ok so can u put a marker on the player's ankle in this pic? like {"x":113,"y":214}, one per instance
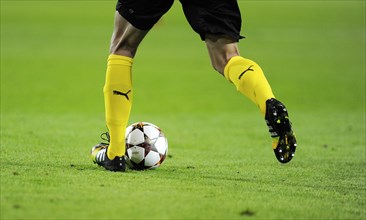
{"x":111,"y":155}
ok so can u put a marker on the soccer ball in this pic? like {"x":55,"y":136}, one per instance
{"x":146,"y":146}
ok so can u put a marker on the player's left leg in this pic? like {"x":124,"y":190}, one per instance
{"x":118,"y":93}
{"x":133,"y":20}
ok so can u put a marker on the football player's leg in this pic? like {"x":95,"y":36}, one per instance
{"x":249,"y":79}
{"x":245,"y":74}
{"x":133,"y":20}
{"x":118,"y":91}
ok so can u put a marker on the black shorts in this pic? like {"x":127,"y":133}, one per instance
{"x":219,"y":17}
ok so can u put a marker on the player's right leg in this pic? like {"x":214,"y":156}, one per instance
{"x":218,"y":23}
{"x":133,"y":20}
{"x":250,"y":80}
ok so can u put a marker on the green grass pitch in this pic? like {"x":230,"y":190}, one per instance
{"x":221,"y":165}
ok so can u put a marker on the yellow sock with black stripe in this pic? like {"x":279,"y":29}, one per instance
{"x":249,"y":79}
{"x":118,"y":96}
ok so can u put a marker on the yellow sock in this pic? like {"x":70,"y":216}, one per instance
{"x":249,"y":79}
{"x":118,"y":100}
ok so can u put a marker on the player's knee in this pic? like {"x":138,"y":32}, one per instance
{"x":123,"y":46}
{"x":123,"y":50}
{"x":126,"y":38}
{"x":218,"y":66}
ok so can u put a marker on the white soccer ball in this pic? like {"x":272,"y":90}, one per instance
{"x":146,"y":146}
